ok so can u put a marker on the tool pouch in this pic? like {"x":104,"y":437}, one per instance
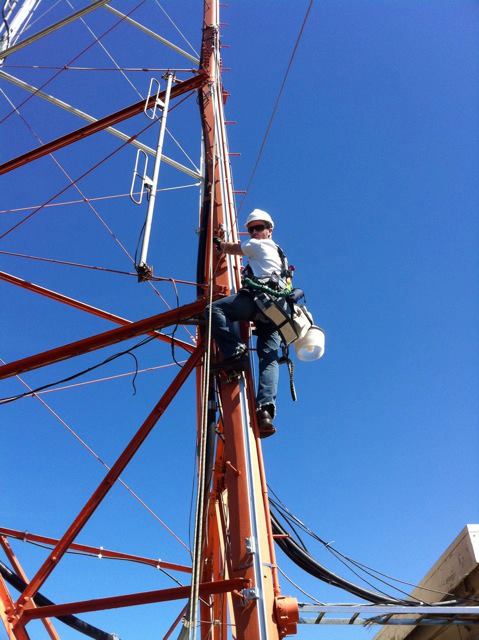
{"x":291,"y":320}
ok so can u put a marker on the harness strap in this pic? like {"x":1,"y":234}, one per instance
{"x":285,"y":359}
{"x":257,"y":286}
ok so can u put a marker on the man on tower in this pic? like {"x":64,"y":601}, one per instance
{"x":266,"y":266}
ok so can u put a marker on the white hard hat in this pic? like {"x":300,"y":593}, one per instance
{"x":259,"y":214}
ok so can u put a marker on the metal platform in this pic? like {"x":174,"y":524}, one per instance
{"x":369,"y":614}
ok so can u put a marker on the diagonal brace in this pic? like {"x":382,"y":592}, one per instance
{"x":72,"y":349}
{"x":26,"y":536}
{"x":132,"y":599}
{"x":77,"y":304}
{"x":109,"y":480}
{"x":191,"y":84}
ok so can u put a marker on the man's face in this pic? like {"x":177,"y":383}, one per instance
{"x":259,"y":230}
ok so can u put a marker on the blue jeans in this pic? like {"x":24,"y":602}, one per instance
{"x":240,"y":307}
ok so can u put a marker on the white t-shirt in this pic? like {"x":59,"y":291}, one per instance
{"x":263,"y":257}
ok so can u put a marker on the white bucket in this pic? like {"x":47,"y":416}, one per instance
{"x":311,"y":346}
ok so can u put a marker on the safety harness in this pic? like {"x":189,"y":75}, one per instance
{"x":278,"y":285}
{"x":276,"y":301}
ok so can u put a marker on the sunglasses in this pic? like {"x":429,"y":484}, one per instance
{"x":257,"y":227}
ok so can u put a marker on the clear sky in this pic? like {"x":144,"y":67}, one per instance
{"x":370,"y":172}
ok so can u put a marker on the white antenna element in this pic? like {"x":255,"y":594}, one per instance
{"x":16,"y":16}
{"x":150,"y":184}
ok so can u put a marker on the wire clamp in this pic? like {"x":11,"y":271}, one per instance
{"x":250,"y":594}
{"x":250,"y":544}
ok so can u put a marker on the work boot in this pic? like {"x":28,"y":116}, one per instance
{"x":265,"y":422}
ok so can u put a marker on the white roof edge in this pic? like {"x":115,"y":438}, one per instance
{"x":459,"y":559}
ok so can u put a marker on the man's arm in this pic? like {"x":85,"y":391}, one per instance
{"x":234,"y":248}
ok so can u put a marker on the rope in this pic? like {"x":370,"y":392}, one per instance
{"x":7,"y":26}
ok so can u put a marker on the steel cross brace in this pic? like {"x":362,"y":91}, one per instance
{"x":26,"y":536}
{"x":6,"y":609}
{"x":85,"y":116}
{"x":195,"y":82}
{"x":77,"y":304}
{"x":132,"y":599}
{"x":17,"y":567}
{"x":174,"y":316}
{"x":104,"y":487}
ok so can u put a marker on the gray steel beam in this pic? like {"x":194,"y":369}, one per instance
{"x":53,"y":27}
{"x":378,"y":609}
{"x":85,"y":116}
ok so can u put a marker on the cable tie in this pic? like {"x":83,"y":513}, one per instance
{"x":158,"y":565}
{"x":100,"y":555}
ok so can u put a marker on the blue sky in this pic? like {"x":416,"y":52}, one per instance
{"x":370,"y":172}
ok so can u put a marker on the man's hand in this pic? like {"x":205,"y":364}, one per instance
{"x":233,"y":248}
